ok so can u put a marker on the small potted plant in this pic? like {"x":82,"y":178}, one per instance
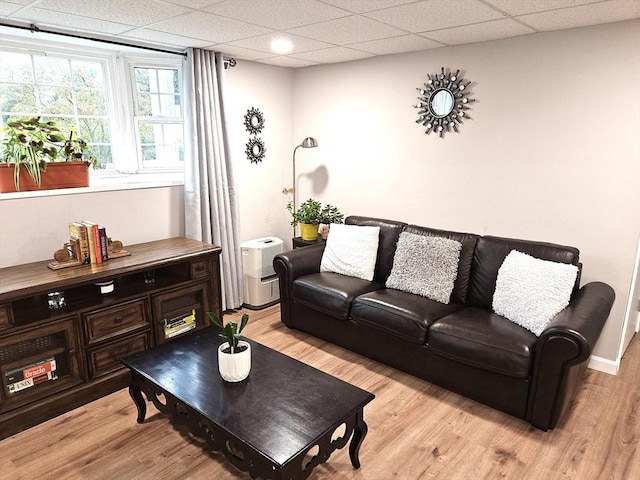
{"x":234,"y":355}
{"x":329,"y":215}
{"x":308,"y":216}
{"x":32,"y":145}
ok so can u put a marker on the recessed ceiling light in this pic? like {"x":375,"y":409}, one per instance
{"x":281,"y":45}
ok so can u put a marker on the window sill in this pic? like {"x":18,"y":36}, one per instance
{"x":97,"y":185}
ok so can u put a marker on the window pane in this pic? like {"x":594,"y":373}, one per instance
{"x":15,"y":67}
{"x":162,"y":144}
{"x":18,"y":98}
{"x":104,"y":156}
{"x":168,"y":81}
{"x":56,"y":100}
{"x":87,"y":74}
{"x":144,"y":105}
{"x":52,"y":70}
{"x":142,"y":79}
{"x":94,"y":130}
{"x":170,"y":105}
{"x":91,"y":102}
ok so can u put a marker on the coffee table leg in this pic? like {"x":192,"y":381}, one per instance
{"x":138,"y":399}
{"x":359,"y":432}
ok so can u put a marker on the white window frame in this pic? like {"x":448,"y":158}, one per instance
{"x":119,"y":84}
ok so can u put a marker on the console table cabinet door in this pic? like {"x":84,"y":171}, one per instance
{"x":39,"y":363}
{"x":172,"y":311}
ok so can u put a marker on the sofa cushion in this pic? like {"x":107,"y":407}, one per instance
{"x":389,"y":233}
{"x":530,"y":291}
{"x":400,"y":314}
{"x":330,"y":293}
{"x":489,"y":254}
{"x":484,"y":339}
{"x":425,"y":265}
{"x":351,"y":250}
{"x":468,"y":241}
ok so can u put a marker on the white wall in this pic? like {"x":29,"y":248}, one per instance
{"x":552,"y":152}
{"x":32,"y":228}
{"x":262,"y":203}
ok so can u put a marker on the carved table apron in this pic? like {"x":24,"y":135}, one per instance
{"x":264,"y":425}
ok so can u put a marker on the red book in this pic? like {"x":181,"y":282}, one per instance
{"x":94,"y":241}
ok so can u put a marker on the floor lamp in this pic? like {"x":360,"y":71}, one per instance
{"x":308,"y":142}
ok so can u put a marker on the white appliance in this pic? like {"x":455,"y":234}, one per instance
{"x":259,"y":278}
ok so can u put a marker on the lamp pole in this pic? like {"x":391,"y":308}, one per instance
{"x":308,"y":142}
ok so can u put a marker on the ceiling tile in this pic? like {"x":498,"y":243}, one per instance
{"x":348,"y":30}
{"x":210,"y":27}
{"x":480,"y":32}
{"x":277,"y":14}
{"x":405,"y":43}
{"x":195,"y":3}
{"x":288,"y":62}
{"x":7,"y":9}
{"x":336,"y":54}
{"x":611,"y":11}
{"x":521,"y":7}
{"x":140,"y":12}
{"x":239,"y":52}
{"x":263,"y":43}
{"x":48,"y":18}
{"x":165,"y":38}
{"x":435,"y":14}
{"x":361,"y":6}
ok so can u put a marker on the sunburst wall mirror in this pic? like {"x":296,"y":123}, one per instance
{"x":443,"y":102}
{"x":254,"y":121}
{"x":255,"y":150}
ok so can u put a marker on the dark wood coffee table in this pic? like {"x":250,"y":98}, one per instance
{"x":264,"y":425}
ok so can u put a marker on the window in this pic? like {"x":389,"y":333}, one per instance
{"x":158,"y":117}
{"x":127,"y":108}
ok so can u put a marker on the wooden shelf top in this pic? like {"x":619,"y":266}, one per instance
{"x":31,"y":278}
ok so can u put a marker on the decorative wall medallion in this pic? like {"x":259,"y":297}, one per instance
{"x":255,"y":150}
{"x":254,"y":121}
{"x":443,"y":102}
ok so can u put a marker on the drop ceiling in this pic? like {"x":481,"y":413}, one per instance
{"x":321,"y":31}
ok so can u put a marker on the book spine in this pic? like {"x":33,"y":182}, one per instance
{"x":104,"y":251}
{"x":92,"y":244}
{"x":78,"y":231}
{"x":96,"y":239}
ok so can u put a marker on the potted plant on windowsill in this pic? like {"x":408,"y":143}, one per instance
{"x":37,"y":155}
{"x":234,"y":356}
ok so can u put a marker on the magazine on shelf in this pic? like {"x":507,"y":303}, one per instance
{"x":180,"y":324}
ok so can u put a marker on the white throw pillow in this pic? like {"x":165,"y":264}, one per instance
{"x":351,"y":250}
{"x":425,"y":265}
{"x":530,"y":291}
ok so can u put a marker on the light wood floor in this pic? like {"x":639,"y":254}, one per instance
{"x":416,"y":430}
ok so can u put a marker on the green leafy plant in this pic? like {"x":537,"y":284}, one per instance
{"x":330,"y":214}
{"x":33,"y":143}
{"x":313,"y":213}
{"x":230,"y":331}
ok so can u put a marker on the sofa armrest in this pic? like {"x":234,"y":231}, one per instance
{"x":563,"y":351}
{"x":291,"y":265}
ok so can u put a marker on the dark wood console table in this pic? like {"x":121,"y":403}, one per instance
{"x":54,"y":360}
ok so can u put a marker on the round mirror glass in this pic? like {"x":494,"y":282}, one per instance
{"x":255,"y":121}
{"x":442,"y":103}
{"x":257,"y":150}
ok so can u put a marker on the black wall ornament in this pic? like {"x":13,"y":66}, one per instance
{"x":443,"y":102}
{"x":255,"y":150}
{"x":254,"y":121}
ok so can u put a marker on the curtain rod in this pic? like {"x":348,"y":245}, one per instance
{"x":33,"y":28}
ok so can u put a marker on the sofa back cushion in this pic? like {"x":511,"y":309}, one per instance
{"x":468,"y":241}
{"x":389,"y":233}
{"x":489,"y":255}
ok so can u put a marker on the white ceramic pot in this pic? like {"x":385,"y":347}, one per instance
{"x":234,"y":367}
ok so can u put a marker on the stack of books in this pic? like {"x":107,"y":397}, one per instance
{"x":88,"y":242}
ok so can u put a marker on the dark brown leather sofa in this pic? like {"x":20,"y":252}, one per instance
{"x":462,"y":346}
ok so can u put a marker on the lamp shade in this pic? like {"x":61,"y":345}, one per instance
{"x":309,"y":142}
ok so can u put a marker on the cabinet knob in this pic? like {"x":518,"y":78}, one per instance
{"x":119,"y":319}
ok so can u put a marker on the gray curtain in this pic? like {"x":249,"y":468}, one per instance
{"x":210,"y":195}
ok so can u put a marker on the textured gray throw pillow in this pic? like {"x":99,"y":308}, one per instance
{"x":426,"y":266}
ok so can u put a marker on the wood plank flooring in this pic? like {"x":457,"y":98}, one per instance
{"x":416,"y":430}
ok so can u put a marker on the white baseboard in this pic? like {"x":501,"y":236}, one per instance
{"x":604,"y":365}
